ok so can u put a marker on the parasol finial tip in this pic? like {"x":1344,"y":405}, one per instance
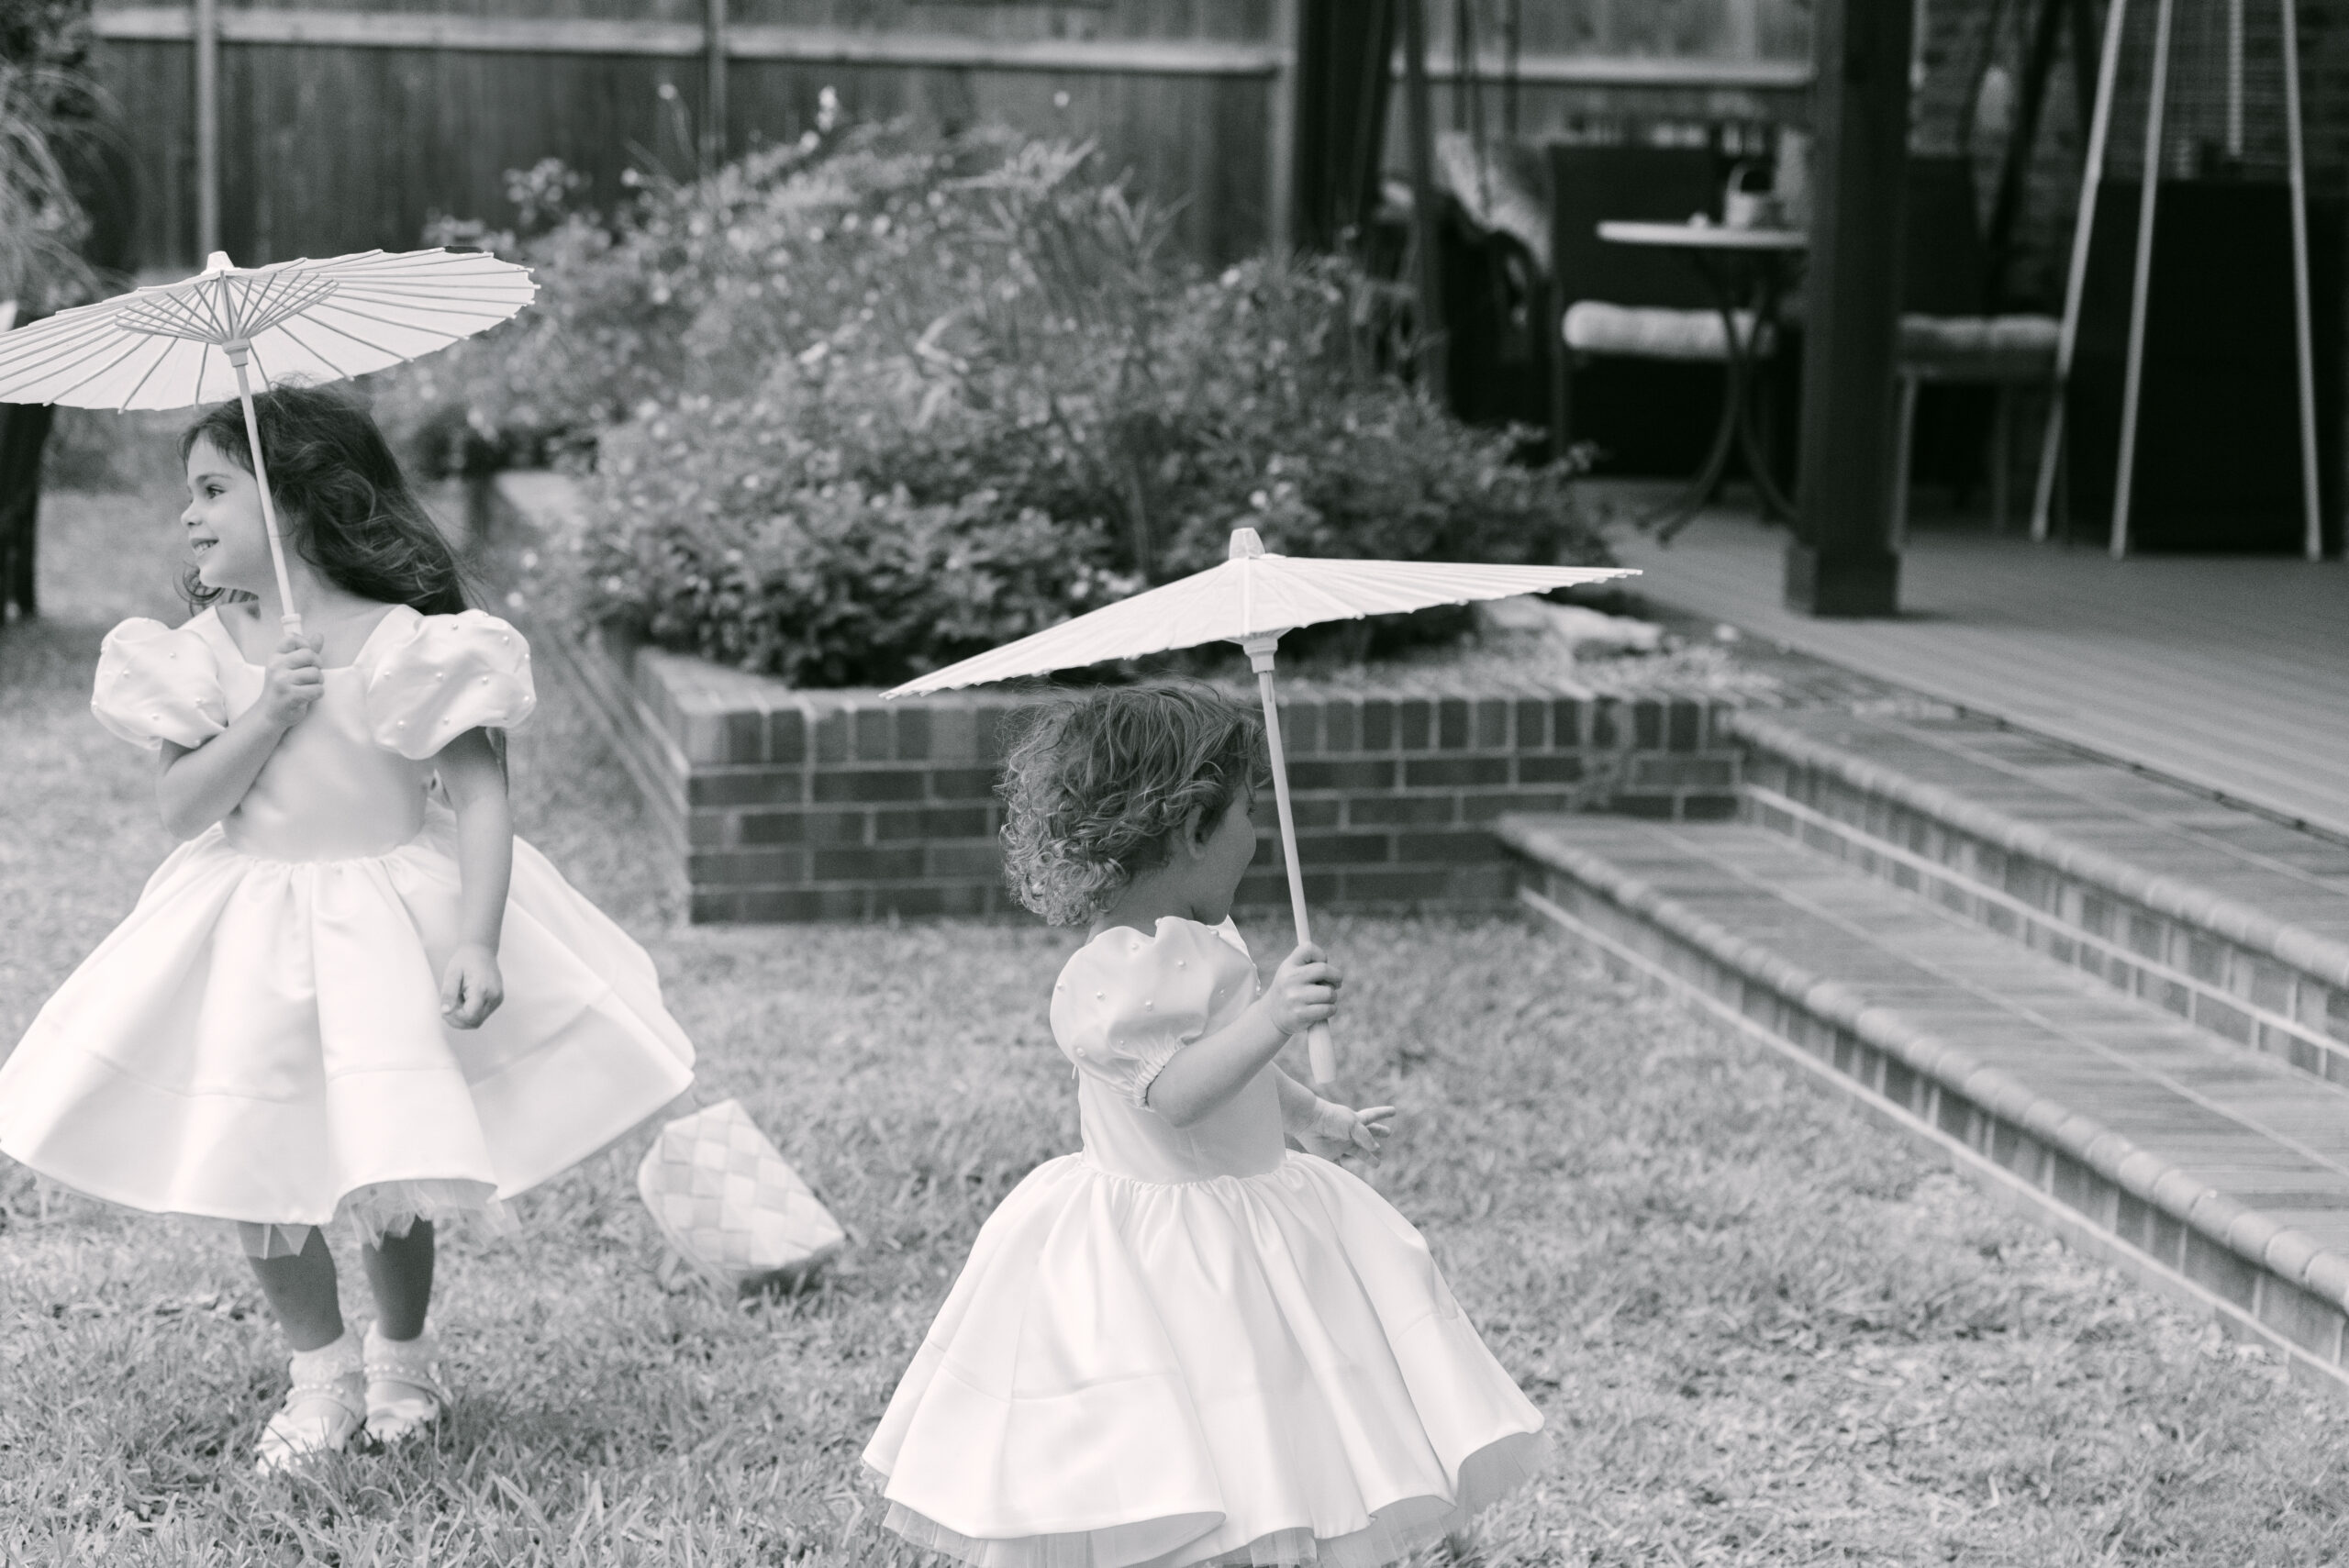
{"x":1244,"y":543}
{"x":218,"y":262}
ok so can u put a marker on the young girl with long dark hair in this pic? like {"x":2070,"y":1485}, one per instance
{"x":351,"y":995}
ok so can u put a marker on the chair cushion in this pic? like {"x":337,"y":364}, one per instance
{"x":1650,"y":332}
{"x":1980,"y":348}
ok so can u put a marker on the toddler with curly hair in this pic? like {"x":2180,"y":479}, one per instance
{"x":1187,"y":1343}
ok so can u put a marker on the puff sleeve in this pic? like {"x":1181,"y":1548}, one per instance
{"x":156,"y":684}
{"x":1127,"y":1004}
{"x":430,"y":678}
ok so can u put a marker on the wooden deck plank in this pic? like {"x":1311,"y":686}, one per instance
{"x":2110,"y":640}
{"x":1973,"y":582}
{"x":2266,"y":738}
{"x":2230,"y":674}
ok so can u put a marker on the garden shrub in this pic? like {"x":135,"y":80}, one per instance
{"x":721,"y":527}
{"x":856,"y":408}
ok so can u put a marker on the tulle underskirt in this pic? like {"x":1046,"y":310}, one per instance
{"x":388,"y":1209}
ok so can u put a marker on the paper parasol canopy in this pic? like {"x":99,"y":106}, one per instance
{"x":207,"y":339}
{"x":1252,"y":599}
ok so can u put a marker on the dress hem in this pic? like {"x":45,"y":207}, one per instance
{"x":1394,"y":1531}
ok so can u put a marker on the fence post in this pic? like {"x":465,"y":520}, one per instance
{"x":207,"y":126}
{"x":1280,"y":184}
{"x":713,"y":113}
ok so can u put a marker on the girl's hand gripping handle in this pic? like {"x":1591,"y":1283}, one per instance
{"x":1316,"y":998}
{"x":293,"y":679}
{"x":1304,"y":991}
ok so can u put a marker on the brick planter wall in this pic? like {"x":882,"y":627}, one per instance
{"x":776,"y":804}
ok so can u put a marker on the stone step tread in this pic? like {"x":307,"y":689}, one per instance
{"x":1973,"y":753}
{"x":2205,"y":861}
{"x":1957,"y":1001}
{"x":1978,"y":760}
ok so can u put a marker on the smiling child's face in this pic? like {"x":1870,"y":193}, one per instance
{"x":225,"y":536}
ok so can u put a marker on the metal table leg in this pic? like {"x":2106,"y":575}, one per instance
{"x":1738,"y":425}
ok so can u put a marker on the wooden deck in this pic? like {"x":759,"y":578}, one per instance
{"x":2230,"y":674}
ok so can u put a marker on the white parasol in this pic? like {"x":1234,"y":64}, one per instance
{"x":1252,"y":599}
{"x":296,"y":323}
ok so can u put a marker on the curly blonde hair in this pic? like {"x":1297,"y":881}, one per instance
{"x":1098,"y":788}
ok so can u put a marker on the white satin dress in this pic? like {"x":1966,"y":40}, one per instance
{"x":260,"y":1041}
{"x":1191,"y":1345}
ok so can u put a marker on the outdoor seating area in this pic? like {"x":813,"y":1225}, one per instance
{"x":2041,"y":332}
{"x":1410,"y":783}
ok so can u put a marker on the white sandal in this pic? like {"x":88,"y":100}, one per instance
{"x":323,"y":1411}
{"x":406,"y":1389}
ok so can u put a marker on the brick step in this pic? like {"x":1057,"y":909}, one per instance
{"x":2217,"y":913}
{"x":2213,"y":1172}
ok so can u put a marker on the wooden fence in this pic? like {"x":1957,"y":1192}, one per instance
{"x":274,"y":132}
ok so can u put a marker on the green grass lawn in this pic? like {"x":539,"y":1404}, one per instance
{"x":1764,"y":1330}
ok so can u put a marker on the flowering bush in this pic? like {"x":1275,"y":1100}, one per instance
{"x":864,"y":404}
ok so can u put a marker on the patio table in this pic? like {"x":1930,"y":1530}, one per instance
{"x":1728,"y":257}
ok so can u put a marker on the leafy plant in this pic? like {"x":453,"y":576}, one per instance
{"x":979,"y":348}
{"x":722,"y":528}
{"x":51,"y":123}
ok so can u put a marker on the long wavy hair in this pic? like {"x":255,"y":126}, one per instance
{"x":1098,"y":788}
{"x":343,"y":503}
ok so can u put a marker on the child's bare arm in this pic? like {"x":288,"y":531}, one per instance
{"x":1324,"y":1126}
{"x":197,"y":785}
{"x":1211,"y":1068}
{"x":475,"y":781}
{"x":1297,"y":1101}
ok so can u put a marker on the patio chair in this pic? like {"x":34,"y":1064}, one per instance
{"x":1946,"y":335}
{"x":1640,"y":319}
{"x":1498,"y":284}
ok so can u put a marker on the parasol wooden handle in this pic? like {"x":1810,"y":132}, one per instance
{"x":1322,"y":1052}
{"x":1320,"y":1046}
{"x":239,"y":352}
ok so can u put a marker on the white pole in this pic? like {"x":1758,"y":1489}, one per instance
{"x":2312,"y":543}
{"x":2083,"y":226}
{"x":2133,"y":377}
{"x":238,"y":353}
{"x":1321,"y":1051}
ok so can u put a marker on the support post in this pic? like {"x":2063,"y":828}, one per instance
{"x":207,"y":126}
{"x":1425,"y":263}
{"x":1840,"y":564}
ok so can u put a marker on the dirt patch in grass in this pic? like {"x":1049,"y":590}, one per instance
{"x":1764,"y":1330}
